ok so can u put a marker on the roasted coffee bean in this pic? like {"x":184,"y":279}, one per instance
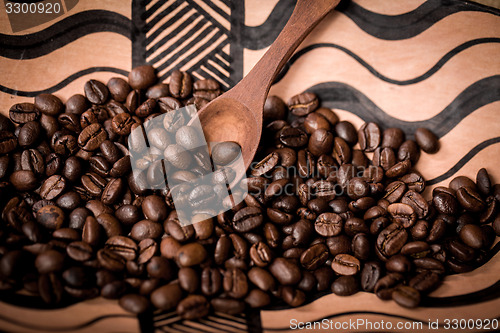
{"x":142,"y":77}
{"x":118,"y":88}
{"x":409,"y":151}
{"x":445,"y":203}
{"x":31,"y":160}
{"x":391,"y":240}
{"x":181,"y":84}
{"x":79,"y":251}
{"x":23,"y":113}
{"x":48,"y":104}
{"x":92,"y":137}
{"x":472,"y":235}
{"x":341,"y":151}
{"x":50,"y":288}
{"x":8,"y":142}
{"x":110,"y":260}
{"x":146,"y":229}
{"x":392,"y":138}
{"x":470,"y":199}
{"x":293,"y":137}
{"x":261,"y":254}
{"x":193,"y":307}
{"x":134,"y":303}
{"x":303,"y":104}
{"x":345,"y":285}
{"x":405,"y":296}
{"x":191,"y":254}
{"x":154,"y":208}
{"x":123,"y":246}
{"x":402,"y":214}
{"x":399,"y":169}
{"x":345,"y":264}
{"x":384,"y":157}
{"x":361,"y":246}
{"x":29,"y":134}
{"x":52,"y":187}
{"x":285,"y":271}
{"x":371,"y":273}
{"x":314,"y":257}
{"x":167,"y":297}
{"x":51,"y":217}
{"x":235,"y":283}
{"x":96,"y":92}
{"x":369,"y":137}
{"x":320,"y":142}
{"x":328,"y":224}
{"x":425,"y":281}
{"x":49,"y":261}
{"x":427,"y":140}
{"x":122,"y":123}
{"x":160,"y":268}
{"x":247,"y":219}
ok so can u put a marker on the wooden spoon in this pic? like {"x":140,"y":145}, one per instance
{"x":237,"y":114}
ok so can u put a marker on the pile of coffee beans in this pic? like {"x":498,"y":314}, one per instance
{"x":330,"y":208}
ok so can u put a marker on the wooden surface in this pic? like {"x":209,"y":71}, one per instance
{"x":407,"y":63}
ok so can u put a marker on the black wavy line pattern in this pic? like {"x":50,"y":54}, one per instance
{"x":30,"y":326}
{"x":343,"y":96}
{"x":64,"y":82}
{"x":474,"y":151}
{"x":388,"y":27}
{"x":377,"y":74}
{"x":259,"y":37}
{"x":404,"y":26}
{"x":62,"y":33}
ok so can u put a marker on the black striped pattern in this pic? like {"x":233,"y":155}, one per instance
{"x":188,"y":35}
{"x":219,"y":322}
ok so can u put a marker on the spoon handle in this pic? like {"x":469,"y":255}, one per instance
{"x":252,"y":90}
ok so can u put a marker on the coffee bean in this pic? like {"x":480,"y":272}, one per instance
{"x":29,"y":134}
{"x":303,"y":104}
{"x":472,"y":235}
{"x":8,"y":142}
{"x":402,"y":214}
{"x":345,"y":264}
{"x":23,"y":113}
{"x":96,"y":92}
{"x":52,"y":187}
{"x":470,"y":199}
{"x":405,"y":296}
{"x":369,"y":137}
{"x":111,"y":260}
{"x":285,"y":271}
{"x":391,"y":240}
{"x":91,"y":137}
{"x":314,"y":257}
{"x":425,"y":281}
{"x":445,"y":203}
{"x":166,"y":297}
{"x":371,"y":273}
{"x":193,"y":307}
{"x":142,"y":77}
{"x":50,"y":288}
{"x":345,"y":286}
{"x":79,"y":251}
{"x":191,"y":254}
{"x":181,"y":84}
{"x":427,"y":140}
{"x":293,"y":137}
{"x":328,"y":224}
{"x":134,"y":303}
